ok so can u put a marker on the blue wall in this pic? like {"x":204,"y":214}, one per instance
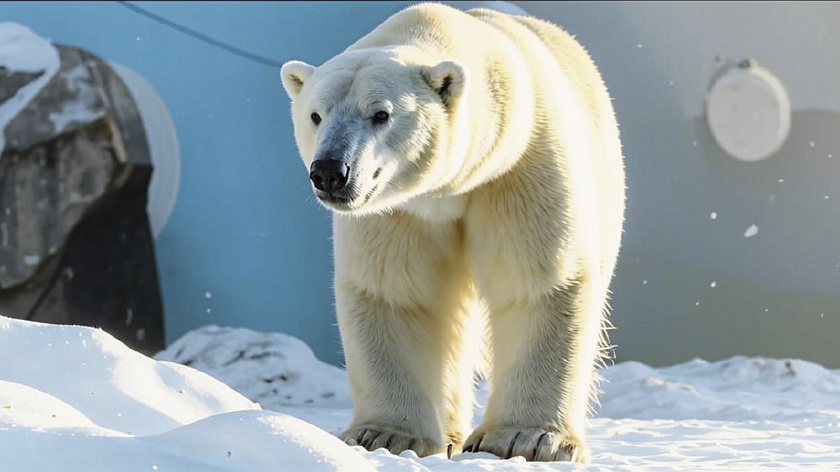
{"x":245,"y":227}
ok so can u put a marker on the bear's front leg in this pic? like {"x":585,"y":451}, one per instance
{"x":544,"y":358}
{"x":393,"y":377}
{"x":400,"y":291}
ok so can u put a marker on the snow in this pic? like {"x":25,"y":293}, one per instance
{"x":31,"y":259}
{"x":273,"y":369}
{"x":751,"y":231}
{"x":78,"y":110}
{"x":95,"y":404}
{"x":259,"y":440}
{"x":21,"y":50}
{"x":74,"y":398}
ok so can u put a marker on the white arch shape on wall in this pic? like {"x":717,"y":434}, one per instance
{"x":163,"y":147}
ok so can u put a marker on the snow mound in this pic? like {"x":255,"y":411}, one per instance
{"x":76,"y":399}
{"x":254,"y":439}
{"x":103,"y":380}
{"x":733,"y":389}
{"x":94,"y":404}
{"x":274,"y":369}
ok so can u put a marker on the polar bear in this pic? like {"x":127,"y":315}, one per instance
{"x":466,"y":156}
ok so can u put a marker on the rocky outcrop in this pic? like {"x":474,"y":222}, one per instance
{"x":75,"y":243}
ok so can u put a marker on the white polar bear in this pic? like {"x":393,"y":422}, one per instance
{"x":466,"y":155}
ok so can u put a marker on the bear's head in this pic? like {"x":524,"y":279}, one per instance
{"x":373,"y":128}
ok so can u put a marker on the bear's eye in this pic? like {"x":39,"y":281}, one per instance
{"x":316,"y":118}
{"x":380,"y":117}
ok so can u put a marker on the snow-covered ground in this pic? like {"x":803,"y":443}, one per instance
{"x":74,"y":398}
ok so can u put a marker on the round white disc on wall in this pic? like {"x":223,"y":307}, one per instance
{"x":748,"y":112}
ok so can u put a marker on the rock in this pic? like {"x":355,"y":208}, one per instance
{"x":12,"y":81}
{"x":75,"y":241}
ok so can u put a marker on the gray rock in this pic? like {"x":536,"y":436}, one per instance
{"x":75,"y":244}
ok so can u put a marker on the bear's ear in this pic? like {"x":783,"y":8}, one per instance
{"x":448,"y":79}
{"x":294,"y":74}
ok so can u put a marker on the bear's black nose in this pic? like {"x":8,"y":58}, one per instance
{"x":329,"y":175}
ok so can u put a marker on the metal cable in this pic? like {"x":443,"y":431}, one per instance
{"x":200,"y":36}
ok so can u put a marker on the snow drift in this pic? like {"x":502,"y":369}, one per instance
{"x":75,"y":398}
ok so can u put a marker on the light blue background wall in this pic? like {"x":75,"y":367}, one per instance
{"x":246,"y":229}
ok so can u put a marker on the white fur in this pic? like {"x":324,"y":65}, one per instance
{"x":498,"y":180}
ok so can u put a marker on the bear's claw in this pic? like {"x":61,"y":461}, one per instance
{"x":533,"y":444}
{"x":376,"y":437}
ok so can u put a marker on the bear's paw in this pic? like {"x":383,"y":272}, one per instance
{"x":377,"y":437}
{"x":534,"y":444}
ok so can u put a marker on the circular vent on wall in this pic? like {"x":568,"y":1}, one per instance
{"x":747,"y":110}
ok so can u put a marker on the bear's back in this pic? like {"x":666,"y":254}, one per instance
{"x":433,"y":26}
{"x":540,"y":42}
{"x":531,"y":34}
